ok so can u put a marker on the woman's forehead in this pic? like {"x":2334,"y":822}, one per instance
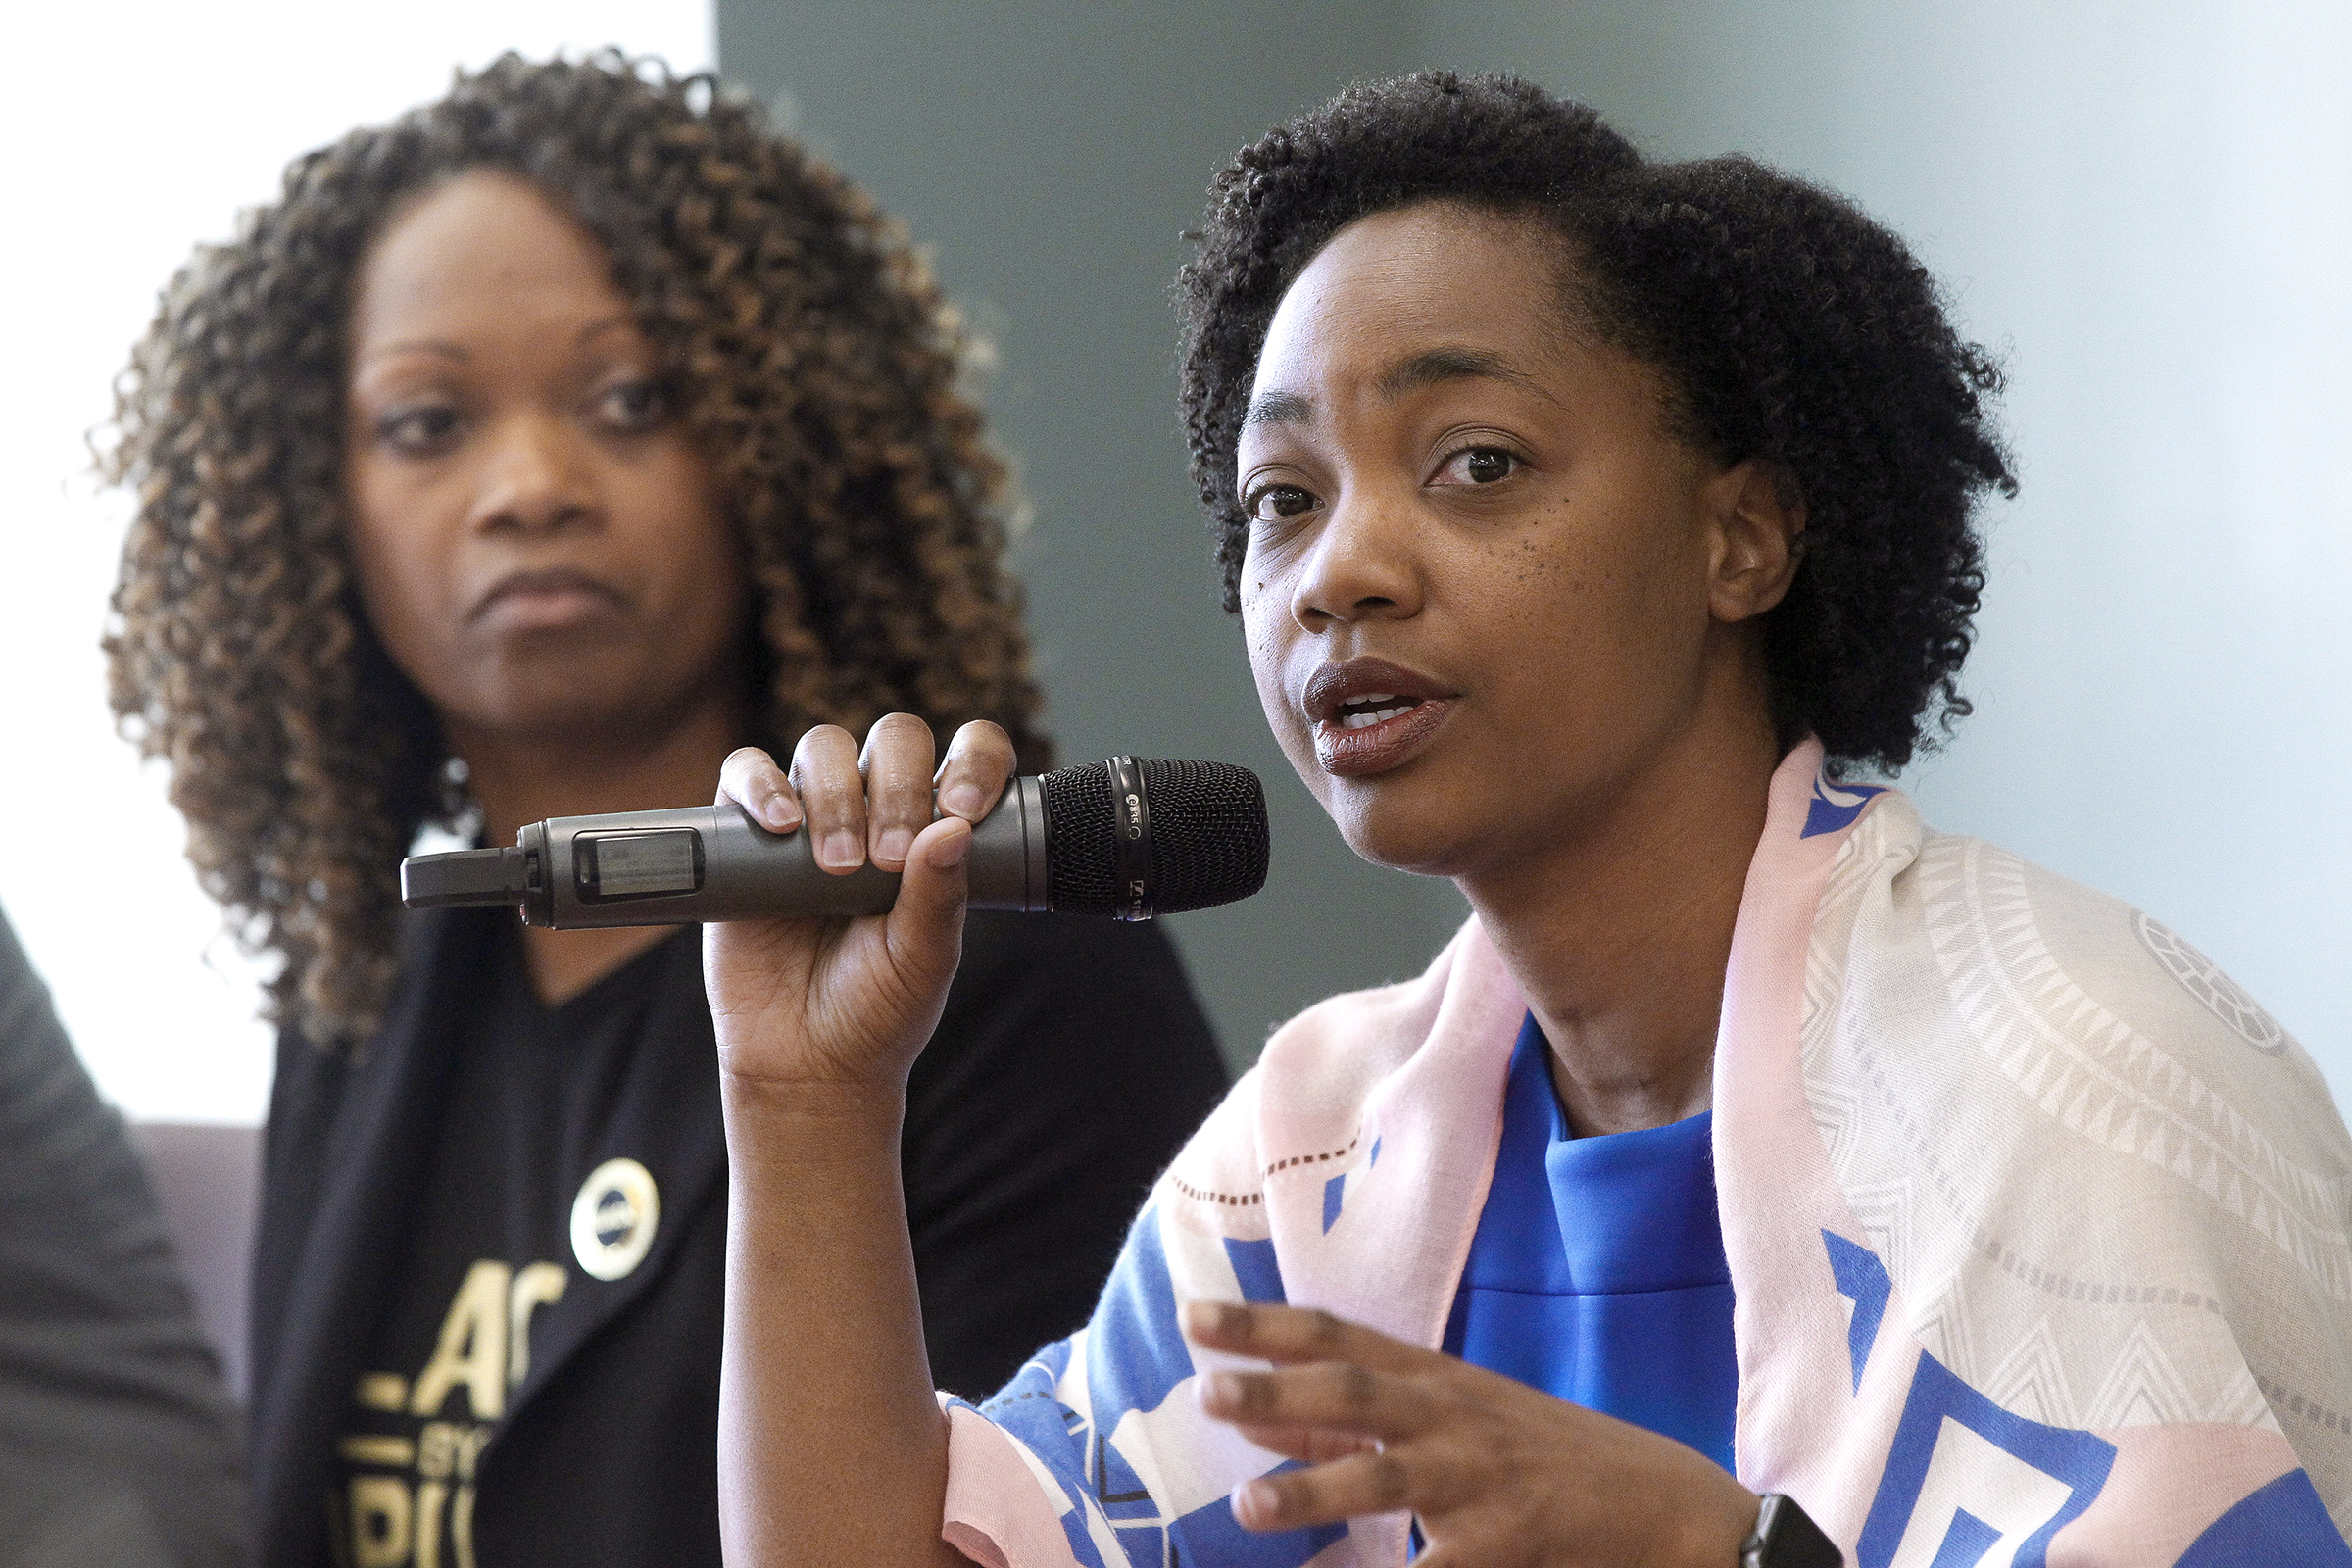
{"x":1408,"y":297}
{"x":1422,"y":297}
{"x":481,"y":245}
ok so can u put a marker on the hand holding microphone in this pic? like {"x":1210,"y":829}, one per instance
{"x":779,"y":865}
{"x":1125,"y":837}
{"x":825,"y":1018}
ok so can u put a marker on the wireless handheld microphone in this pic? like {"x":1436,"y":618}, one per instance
{"x":1128,"y":837}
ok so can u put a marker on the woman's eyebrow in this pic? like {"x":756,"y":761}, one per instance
{"x":1429,"y":368}
{"x":598,"y":328}
{"x":1454,"y":364}
{"x":1279,"y":408}
{"x":439,"y":347}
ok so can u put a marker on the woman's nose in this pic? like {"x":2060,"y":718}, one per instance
{"x":1361,"y":565}
{"x":535,"y":477}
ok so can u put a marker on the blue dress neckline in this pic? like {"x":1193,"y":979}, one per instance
{"x":1598,"y":1271}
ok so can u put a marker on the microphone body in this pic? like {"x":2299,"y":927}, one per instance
{"x":1125,"y":838}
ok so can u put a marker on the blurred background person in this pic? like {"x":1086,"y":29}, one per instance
{"x":117,"y":1438}
{"x":525,"y":457}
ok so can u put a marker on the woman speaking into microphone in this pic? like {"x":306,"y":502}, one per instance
{"x":1759,"y":1177}
{"x":525,"y":457}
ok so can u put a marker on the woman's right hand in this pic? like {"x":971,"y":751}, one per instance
{"x":849,"y":1003}
{"x":818,"y":1021}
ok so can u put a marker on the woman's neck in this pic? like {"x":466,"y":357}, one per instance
{"x":520,"y":779}
{"x":1619,"y":934}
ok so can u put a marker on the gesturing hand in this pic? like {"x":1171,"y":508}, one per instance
{"x":1500,"y":1475}
{"x":849,"y":1003}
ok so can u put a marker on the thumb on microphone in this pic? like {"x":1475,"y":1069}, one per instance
{"x":924,"y":929}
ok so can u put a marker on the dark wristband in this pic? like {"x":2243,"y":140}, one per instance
{"x":1784,"y":1537}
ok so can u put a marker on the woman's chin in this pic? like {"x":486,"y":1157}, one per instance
{"x":565,"y":715}
{"x":615,"y":696}
{"x":1427,"y":843}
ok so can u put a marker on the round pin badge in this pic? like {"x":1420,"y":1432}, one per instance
{"x":613,"y":1218}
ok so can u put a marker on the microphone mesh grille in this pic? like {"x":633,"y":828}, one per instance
{"x":1208,"y":836}
{"x":1078,"y":826}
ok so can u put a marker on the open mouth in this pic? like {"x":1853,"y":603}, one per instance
{"x":1371,"y":715}
{"x":1373,"y":707}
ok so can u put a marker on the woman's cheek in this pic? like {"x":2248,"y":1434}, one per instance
{"x":1265,"y":615}
{"x":396,"y":593}
{"x":1267,"y":630}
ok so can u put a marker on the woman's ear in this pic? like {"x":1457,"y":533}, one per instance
{"x":1757,"y":540}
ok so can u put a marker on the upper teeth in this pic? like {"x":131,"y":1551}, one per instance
{"x":1373,"y":707}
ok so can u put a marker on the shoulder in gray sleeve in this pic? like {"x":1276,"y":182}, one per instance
{"x":116,"y":1434}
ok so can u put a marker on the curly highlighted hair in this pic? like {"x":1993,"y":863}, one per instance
{"x":1787,"y":327}
{"x":817,"y":370}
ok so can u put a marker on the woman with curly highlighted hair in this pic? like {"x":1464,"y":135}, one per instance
{"x":523,"y":458}
{"x":1759,"y":1177}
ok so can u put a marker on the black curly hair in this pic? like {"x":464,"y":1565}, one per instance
{"x":817,"y":370}
{"x":1787,"y":327}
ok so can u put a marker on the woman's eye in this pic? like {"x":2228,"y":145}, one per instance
{"x":634,"y":405}
{"x":1479,"y":466}
{"x":1269,"y":502}
{"x":421,"y":428}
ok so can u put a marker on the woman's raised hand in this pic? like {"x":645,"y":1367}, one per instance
{"x":819,"y":1022}
{"x":849,"y":1003}
{"x":1500,"y":1475}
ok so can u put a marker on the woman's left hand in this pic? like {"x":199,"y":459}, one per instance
{"x":1499,"y":1474}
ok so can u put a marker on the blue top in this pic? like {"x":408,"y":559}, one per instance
{"x":1597,"y":1273}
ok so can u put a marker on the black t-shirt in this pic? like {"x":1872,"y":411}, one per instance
{"x":495,"y":1240}
{"x":467,"y":1353}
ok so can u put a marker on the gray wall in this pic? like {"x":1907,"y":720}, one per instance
{"x":2145,"y":207}
{"x":1053,"y":153}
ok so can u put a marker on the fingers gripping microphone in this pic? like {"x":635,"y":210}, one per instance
{"x":1127,"y":838}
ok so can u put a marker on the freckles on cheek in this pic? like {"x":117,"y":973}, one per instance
{"x":1257,"y":629}
{"x":1262,"y":635}
{"x":1265,"y":668}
